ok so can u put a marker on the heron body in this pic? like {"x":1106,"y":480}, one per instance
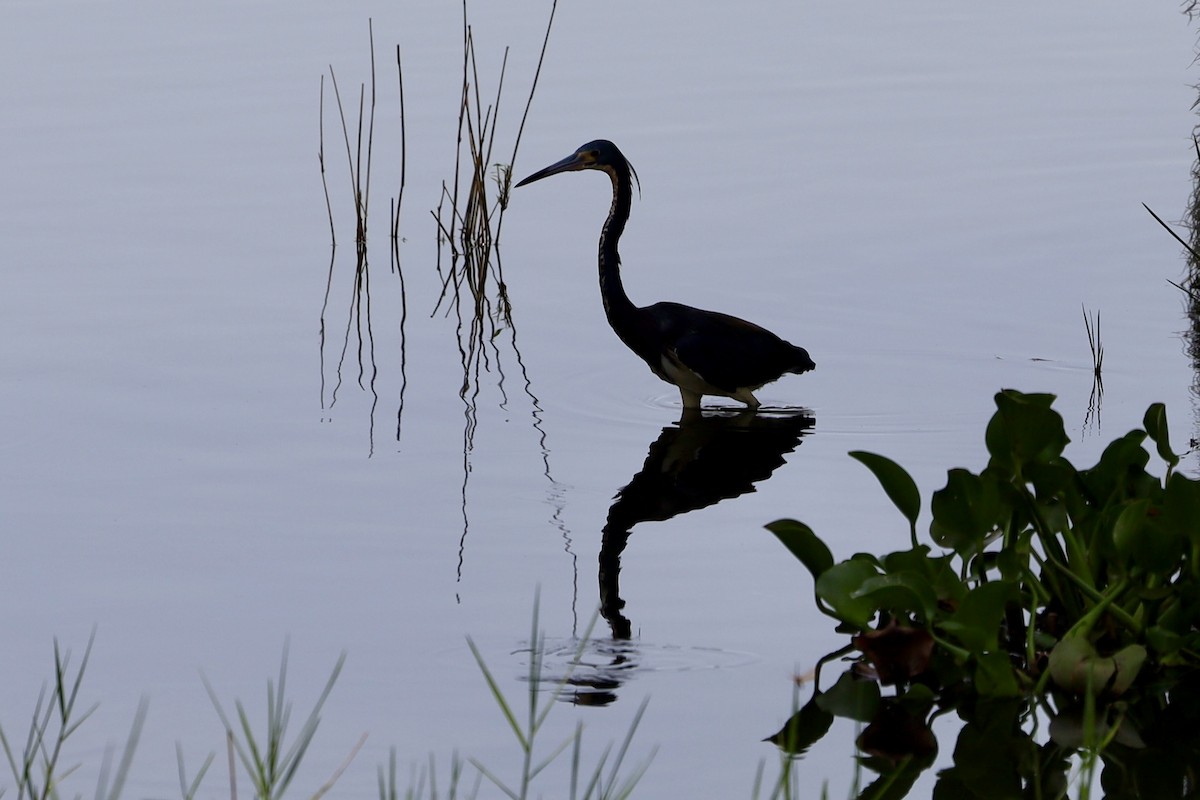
{"x":700,"y":352}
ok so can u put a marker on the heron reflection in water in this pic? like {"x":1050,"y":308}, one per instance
{"x":704,"y":459}
{"x":700,"y":352}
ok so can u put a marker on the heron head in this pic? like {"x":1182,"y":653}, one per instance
{"x":599,"y":154}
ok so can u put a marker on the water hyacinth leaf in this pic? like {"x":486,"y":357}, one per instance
{"x":1120,"y":459}
{"x":1075,"y":666}
{"x":1127,"y":529}
{"x":965,"y":511}
{"x":1054,"y":479}
{"x":976,"y":624}
{"x":1069,"y":728}
{"x":804,"y":545}
{"x":851,"y":698}
{"x":988,"y":755}
{"x":934,"y":571}
{"x":901,"y":489}
{"x":804,"y":729}
{"x":1166,"y":643}
{"x":994,"y":675}
{"x":901,"y":591}
{"x":1128,"y":661}
{"x":918,"y":699}
{"x":1025,"y":429}
{"x":897,"y":652}
{"x":1155,"y":423}
{"x":896,"y":734}
{"x":1068,"y":664}
{"x":1161,"y":545}
{"x":1181,"y":507}
{"x":838,"y":585}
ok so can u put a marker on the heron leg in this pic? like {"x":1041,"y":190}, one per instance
{"x":690,"y":399}
{"x":747,"y":397}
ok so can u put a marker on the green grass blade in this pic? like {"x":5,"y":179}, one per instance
{"x":498,"y":695}
{"x":555,"y":753}
{"x":188,"y":790}
{"x":561,"y":685}
{"x":597,"y":773}
{"x":624,"y":749}
{"x":131,"y":742}
{"x":484,"y":771}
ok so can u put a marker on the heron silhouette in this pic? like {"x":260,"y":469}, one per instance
{"x":700,"y":352}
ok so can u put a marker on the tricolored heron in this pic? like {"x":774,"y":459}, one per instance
{"x":701,"y":352}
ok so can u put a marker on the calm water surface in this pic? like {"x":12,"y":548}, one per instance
{"x":922,"y":197}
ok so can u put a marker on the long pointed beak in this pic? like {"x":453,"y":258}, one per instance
{"x":569,"y":164}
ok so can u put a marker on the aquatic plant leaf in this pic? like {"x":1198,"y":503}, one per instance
{"x":1166,"y":643}
{"x":918,"y":699}
{"x":1069,"y":729}
{"x":1071,"y":660}
{"x":1155,"y":423}
{"x":1155,"y":548}
{"x":965,"y":511}
{"x":935,"y":571}
{"x":991,"y":755}
{"x":994,"y":675}
{"x":976,"y":624}
{"x":901,"y":489}
{"x":1075,"y":665}
{"x":804,"y":729}
{"x":1024,"y":430}
{"x":1121,"y":459}
{"x":898,"y":653}
{"x":1128,"y":661}
{"x":804,"y":544}
{"x":900,"y":591}
{"x":851,"y":698}
{"x":895,"y":733}
{"x":838,"y":586}
{"x":1181,"y":507}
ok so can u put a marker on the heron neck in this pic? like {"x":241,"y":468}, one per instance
{"x":617,"y":304}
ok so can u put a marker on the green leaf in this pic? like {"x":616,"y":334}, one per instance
{"x":901,"y":489}
{"x":1181,"y":508}
{"x":933,"y":570}
{"x":994,"y":675}
{"x":900,"y":591}
{"x":1069,"y":663}
{"x":838,"y":586}
{"x":1024,"y":430}
{"x":1075,"y":666}
{"x":851,"y":698}
{"x":1128,"y":661}
{"x":1137,"y":544}
{"x":1155,"y":423}
{"x":804,"y":544}
{"x":804,"y":729}
{"x":966,"y":511}
{"x":1122,"y":458}
{"x":1165,"y":642}
{"x":918,"y":699}
{"x":976,"y":624}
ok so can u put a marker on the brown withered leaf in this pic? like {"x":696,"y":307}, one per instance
{"x":898,"y":653}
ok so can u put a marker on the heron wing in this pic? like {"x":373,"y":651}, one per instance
{"x":726,"y":352}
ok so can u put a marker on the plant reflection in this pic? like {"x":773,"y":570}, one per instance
{"x":359,"y":326}
{"x":703,"y":459}
{"x":1191,"y":283}
{"x":1146,"y":746}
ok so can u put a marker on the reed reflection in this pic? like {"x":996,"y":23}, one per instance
{"x":1191,"y":285}
{"x":359,"y":329}
{"x":703,"y":459}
